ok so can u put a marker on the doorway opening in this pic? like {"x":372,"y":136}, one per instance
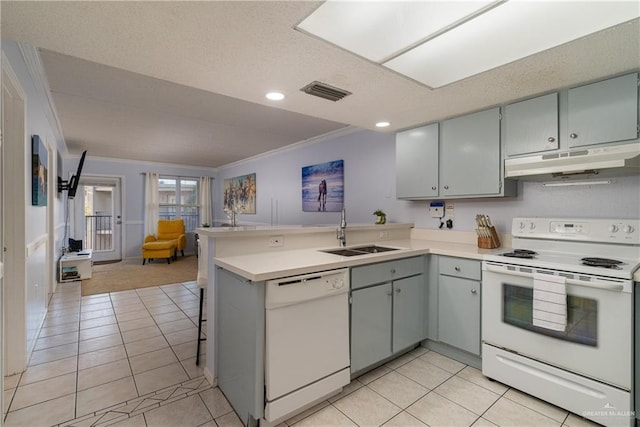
{"x":98,"y":217}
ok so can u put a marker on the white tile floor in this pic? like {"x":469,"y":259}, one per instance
{"x":128,"y":359}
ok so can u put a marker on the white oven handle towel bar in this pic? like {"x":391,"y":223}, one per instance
{"x":550,"y":302}
{"x":608,"y":285}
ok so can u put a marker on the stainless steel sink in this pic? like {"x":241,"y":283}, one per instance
{"x":373,"y":249}
{"x":360,"y":250}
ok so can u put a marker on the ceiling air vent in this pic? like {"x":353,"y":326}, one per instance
{"x":325,"y":91}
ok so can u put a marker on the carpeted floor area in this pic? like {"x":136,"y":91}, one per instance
{"x":131,"y":274}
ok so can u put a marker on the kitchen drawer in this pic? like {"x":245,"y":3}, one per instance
{"x":371,"y":274}
{"x":460,"y":267}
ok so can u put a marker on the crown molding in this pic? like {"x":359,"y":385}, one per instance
{"x":347,"y":130}
{"x":141,"y":162}
{"x":36,"y":70}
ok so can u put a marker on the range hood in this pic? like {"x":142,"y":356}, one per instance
{"x":614,"y":160}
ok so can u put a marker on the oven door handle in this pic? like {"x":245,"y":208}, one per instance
{"x":596,"y":285}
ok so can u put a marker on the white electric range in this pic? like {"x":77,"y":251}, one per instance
{"x":584,"y":361}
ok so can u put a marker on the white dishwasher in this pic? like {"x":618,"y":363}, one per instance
{"x":307,"y":340}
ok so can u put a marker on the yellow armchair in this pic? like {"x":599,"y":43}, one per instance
{"x":170,"y":230}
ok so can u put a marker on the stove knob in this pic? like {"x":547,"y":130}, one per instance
{"x":613,"y":228}
{"x":522,"y":225}
{"x":628,"y":229}
{"x":532,"y":226}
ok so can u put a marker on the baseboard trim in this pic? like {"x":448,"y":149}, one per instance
{"x":209,"y":377}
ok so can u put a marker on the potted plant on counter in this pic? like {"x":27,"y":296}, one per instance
{"x":381,"y":217}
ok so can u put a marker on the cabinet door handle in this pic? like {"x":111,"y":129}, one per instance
{"x":474,"y":291}
{"x":390,"y":293}
{"x":446,"y":187}
{"x":456,"y":268}
{"x":393,"y":271}
{"x":433,"y":188}
{"x":398,"y":290}
{"x":551,"y":139}
{"x":573,"y":135}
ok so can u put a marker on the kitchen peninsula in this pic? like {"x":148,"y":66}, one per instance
{"x":264,"y":255}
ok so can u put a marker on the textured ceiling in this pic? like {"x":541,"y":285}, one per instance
{"x":184,"y":82}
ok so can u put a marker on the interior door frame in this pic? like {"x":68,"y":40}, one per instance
{"x":14,"y":226}
{"x":119,"y":199}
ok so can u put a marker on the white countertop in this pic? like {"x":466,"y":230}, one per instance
{"x":273,"y":265}
{"x":262,"y":230}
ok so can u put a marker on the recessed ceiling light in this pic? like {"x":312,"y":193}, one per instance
{"x":382,"y":124}
{"x":275,"y":96}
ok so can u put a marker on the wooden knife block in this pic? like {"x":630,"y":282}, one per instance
{"x":489,"y":242}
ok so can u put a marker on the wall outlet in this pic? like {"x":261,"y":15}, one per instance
{"x":275,"y":241}
{"x":448,"y":209}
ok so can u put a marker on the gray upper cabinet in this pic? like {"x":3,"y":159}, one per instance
{"x":531,"y":126}
{"x":417,"y":163}
{"x":456,"y":158}
{"x":603,"y":112}
{"x":470,"y":155}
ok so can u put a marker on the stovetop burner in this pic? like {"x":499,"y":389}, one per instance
{"x":521,"y":253}
{"x":602,"y":262}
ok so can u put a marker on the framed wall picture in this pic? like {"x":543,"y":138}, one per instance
{"x":323,"y":187}
{"x":240,"y":194}
{"x":39,"y":172}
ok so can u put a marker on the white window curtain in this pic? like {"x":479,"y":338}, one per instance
{"x":151,"y":203}
{"x":206,"y":215}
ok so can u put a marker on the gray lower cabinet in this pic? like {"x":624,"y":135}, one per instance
{"x":370,"y":325}
{"x":459,"y":303}
{"x":239,"y":336}
{"x":408,"y":312}
{"x":387,"y":315}
{"x":636,"y":364}
{"x":602,"y":112}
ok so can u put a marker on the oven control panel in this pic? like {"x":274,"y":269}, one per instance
{"x":626,"y":231}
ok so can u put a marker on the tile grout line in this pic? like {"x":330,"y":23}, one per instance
{"x":129,"y":359}
{"x":75,"y":400}
{"x":126,"y":352}
{"x":162,"y":332}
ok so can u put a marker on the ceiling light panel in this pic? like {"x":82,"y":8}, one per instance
{"x":378,"y":30}
{"x":506,"y":33}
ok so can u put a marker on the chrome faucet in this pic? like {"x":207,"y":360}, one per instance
{"x":231,"y":213}
{"x":342,"y":230}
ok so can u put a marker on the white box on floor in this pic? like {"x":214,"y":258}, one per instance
{"x":75,"y":266}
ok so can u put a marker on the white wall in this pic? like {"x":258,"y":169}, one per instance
{"x":133,"y":192}
{"x":369,"y":163}
{"x":39,"y":231}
